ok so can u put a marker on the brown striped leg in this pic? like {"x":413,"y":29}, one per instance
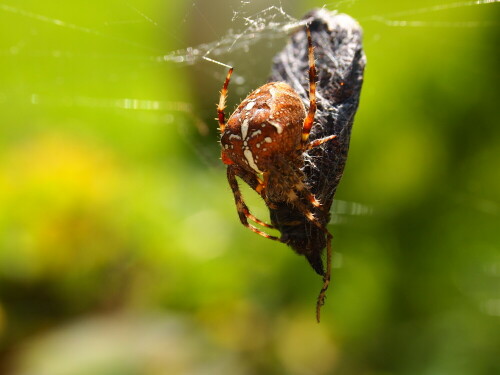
{"x":222,"y":102}
{"x":310,"y":216}
{"x":319,"y":142}
{"x":243,"y":212}
{"x":302,"y":190}
{"x":312,"y":199}
{"x":308,"y":121}
{"x":304,"y":210}
{"x":326,"y":277}
{"x":256,"y":184}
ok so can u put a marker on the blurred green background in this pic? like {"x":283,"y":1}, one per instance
{"x":120,"y":248}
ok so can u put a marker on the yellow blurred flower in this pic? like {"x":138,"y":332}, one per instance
{"x":56,"y":192}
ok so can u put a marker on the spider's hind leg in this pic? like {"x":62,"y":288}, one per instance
{"x":327,"y":276}
{"x":306,"y":193}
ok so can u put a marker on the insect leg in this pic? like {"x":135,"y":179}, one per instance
{"x":222,"y":102}
{"x":242,"y":208}
{"x":308,"y":122}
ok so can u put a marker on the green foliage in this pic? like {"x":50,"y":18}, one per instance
{"x":120,"y":247}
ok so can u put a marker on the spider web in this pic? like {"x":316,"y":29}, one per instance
{"x":242,"y":31}
{"x":243,"y":34}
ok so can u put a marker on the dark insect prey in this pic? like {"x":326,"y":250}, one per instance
{"x":293,"y":156}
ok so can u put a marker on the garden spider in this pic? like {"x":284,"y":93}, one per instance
{"x":263,"y":143}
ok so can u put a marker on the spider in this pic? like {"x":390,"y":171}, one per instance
{"x":264,"y":143}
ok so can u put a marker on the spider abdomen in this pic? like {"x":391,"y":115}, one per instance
{"x":267,"y":123}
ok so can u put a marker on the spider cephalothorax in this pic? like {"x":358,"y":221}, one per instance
{"x":263,"y":143}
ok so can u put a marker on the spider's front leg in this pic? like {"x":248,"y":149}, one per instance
{"x":318,"y":142}
{"x":309,"y":120}
{"x":222,"y":102}
{"x":243,"y":211}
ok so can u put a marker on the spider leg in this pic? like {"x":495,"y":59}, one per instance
{"x":243,"y":211}
{"x":319,"y":142}
{"x":256,"y":184}
{"x":296,"y":202}
{"x":222,"y":102}
{"x":308,"y":121}
{"x":326,"y":277}
{"x":301,"y":188}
